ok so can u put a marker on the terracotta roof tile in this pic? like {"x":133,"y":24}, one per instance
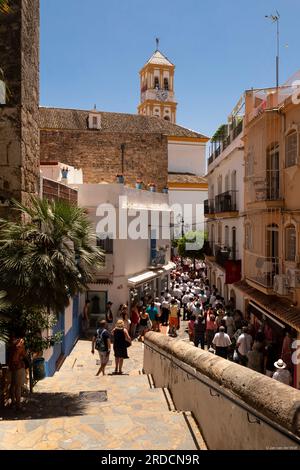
{"x":186,"y":178}
{"x":75,"y":119}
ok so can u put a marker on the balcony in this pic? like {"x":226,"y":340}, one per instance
{"x":261,"y":270}
{"x":234,"y":133}
{"x":209,"y":208}
{"x":226,"y":202}
{"x":265,"y":192}
{"x":224,"y":253}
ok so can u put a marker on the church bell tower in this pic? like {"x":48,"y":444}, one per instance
{"x":157,"y":88}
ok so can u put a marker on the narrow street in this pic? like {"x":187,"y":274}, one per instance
{"x":74,"y":409}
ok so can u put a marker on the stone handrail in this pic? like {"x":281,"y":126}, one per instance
{"x":276,"y":401}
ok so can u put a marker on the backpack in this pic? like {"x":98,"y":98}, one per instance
{"x":100,"y":342}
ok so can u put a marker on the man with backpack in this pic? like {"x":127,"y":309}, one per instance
{"x":101,"y":342}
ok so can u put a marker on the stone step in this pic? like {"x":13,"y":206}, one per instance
{"x":111,"y":429}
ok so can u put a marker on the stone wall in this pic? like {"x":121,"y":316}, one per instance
{"x":19,"y":131}
{"x":235,"y":407}
{"x":99,"y":155}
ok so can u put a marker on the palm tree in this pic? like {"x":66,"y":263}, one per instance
{"x":49,"y":257}
{"x":4,"y":305}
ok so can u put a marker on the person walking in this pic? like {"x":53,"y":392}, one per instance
{"x":121,"y":341}
{"x":256,"y":358}
{"x":199,"y":331}
{"x":173,"y":318}
{"x":85,"y":318}
{"x":243,"y":346}
{"x":109,"y":317}
{"x":211,"y":328}
{"x":16,"y":364}
{"x":221,"y":342}
{"x":101,"y":342}
{"x":282,"y":374}
{"x":144,"y":325}
{"x":135,"y":319}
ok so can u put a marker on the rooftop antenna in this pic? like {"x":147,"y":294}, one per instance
{"x":275,"y":19}
{"x":157,"y":44}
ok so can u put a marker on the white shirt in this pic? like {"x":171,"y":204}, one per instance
{"x":221,"y":340}
{"x":244,"y":342}
{"x":283,"y":376}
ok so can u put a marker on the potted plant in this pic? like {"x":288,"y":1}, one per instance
{"x":152,"y":187}
{"x":64,"y":173}
{"x":120,"y":179}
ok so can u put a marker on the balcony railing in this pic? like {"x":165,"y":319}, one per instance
{"x":266,"y":189}
{"x":209,"y":207}
{"x":224,"y":253}
{"x":226,"y":202}
{"x":261,"y":270}
{"x":234,"y":133}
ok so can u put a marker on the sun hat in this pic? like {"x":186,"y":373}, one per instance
{"x":280,"y":364}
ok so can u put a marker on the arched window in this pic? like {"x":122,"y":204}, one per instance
{"x":233,"y":180}
{"x":290,"y":243}
{"x":227,"y":183}
{"x":226,"y":236}
{"x":156,"y":82}
{"x":166,"y":84}
{"x":167,"y":118}
{"x":291,"y":148}
{"x":273,"y":172}
{"x":233,"y":238}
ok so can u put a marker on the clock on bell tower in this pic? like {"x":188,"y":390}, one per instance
{"x":157,"y":88}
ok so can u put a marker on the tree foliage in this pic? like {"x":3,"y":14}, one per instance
{"x":192,"y":245}
{"x":4,"y":6}
{"x":50,"y":257}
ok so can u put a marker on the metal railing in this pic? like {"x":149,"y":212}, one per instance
{"x":209,"y":206}
{"x":234,"y":133}
{"x":266,"y":189}
{"x":225,"y":253}
{"x":260,"y":269}
{"x":226,"y":202}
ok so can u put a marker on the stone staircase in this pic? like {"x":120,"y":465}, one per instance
{"x":75,"y":409}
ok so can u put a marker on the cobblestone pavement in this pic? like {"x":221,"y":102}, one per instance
{"x":75,"y":409}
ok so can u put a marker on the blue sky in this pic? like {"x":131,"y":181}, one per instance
{"x":92,"y":51}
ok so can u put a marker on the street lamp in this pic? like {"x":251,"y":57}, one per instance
{"x":275,"y":19}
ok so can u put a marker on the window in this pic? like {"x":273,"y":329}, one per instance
{"x":290,"y":243}
{"x":105,"y":243}
{"x":95,"y":121}
{"x":226,"y":236}
{"x":156,"y":82}
{"x":167,"y":118}
{"x":291,"y":144}
{"x":219,"y":233}
{"x":166,"y":84}
{"x":248,"y":237}
{"x":226,"y":183}
{"x":234,"y":248}
{"x":233,"y":180}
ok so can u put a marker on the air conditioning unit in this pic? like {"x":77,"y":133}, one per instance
{"x":293,"y":276}
{"x":280,"y":285}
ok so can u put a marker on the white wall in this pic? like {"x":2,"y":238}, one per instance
{"x":187,"y":157}
{"x":191,"y":197}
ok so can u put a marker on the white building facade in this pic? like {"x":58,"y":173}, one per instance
{"x":224,"y":212}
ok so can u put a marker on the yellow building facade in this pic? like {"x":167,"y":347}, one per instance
{"x":271,"y":285}
{"x":157,"y":88}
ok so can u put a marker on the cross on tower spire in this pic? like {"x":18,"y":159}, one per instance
{"x":157,"y":44}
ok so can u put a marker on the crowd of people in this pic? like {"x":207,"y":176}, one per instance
{"x":211,"y":323}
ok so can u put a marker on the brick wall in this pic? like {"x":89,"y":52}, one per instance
{"x":58,"y":191}
{"x":99,"y":154}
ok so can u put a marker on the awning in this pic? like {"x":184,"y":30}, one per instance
{"x":278,"y":307}
{"x":147,"y":276}
{"x":141,"y":278}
